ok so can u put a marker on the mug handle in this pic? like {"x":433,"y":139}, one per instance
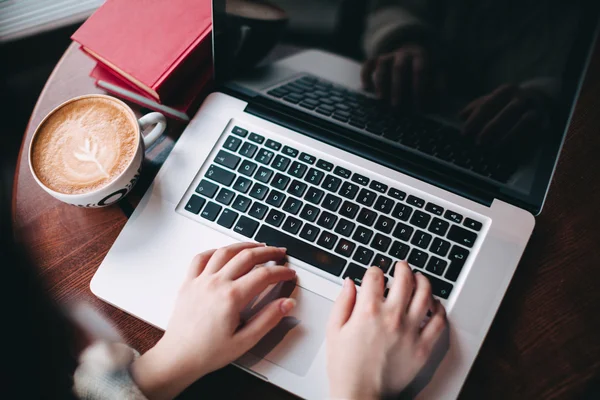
{"x":153,"y":118}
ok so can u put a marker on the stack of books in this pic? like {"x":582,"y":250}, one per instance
{"x":151,"y":52}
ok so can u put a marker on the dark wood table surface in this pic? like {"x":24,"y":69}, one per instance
{"x":545,"y":339}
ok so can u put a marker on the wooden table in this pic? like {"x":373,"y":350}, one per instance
{"x":544,"y":342}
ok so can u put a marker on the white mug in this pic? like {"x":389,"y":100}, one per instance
{"x":122,"y":184}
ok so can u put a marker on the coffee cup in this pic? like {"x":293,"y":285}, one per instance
{"x":88,"y":151}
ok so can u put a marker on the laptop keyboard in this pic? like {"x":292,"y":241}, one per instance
{"x":441,"y":141}
{"x":332,"y":218}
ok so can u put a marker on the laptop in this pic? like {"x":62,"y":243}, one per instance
{"x":292,"y":150}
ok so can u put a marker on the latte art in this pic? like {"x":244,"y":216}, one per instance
{"x":84,"y":145}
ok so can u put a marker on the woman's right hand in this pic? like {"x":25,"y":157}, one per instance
{"x":376,"y":346}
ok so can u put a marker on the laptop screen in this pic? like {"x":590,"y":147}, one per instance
{"x":478,"y":90}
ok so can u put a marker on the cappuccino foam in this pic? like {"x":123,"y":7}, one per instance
{"x":84,"y":145}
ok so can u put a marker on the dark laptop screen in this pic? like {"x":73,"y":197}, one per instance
{"x":480,"y":89}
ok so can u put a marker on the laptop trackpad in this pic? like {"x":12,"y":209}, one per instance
{"x":294,"y":343}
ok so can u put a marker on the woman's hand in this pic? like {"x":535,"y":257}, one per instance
{"x":204,"y":332}
{"x":376,"y":346}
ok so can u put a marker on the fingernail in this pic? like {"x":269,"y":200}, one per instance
{"x":287,"y":305}
{"x":346,"y":284}
{"x":283,"y":248}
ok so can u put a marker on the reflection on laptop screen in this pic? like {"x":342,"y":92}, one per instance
{"x":483,"y":87}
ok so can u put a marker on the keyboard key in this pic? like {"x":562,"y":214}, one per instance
{"x":258,"y":210}
{"x":438,"y":287}
{"x":453,"y":216}
{"x":246,"y":226}
{"x":324,"y":112}
{"x":438,"y":226}
{"x":227,"y":159}
{"x":366,"y":217}
{"x":273,"y":145}
{"x":194,"y":204}
{"x":331,"y":183}
{"x":242,"y":184}
{"x":280,"y":181}
{"x":292,"y":225}
{"x":275,"y":198}
{"x":345,"y":248}
{"x":256,"y":138}
{"x":345,"y":227}
{"x":384,"y":204}
{"x":349,"y":209}
{"x":327,"y":240}
{"x":362,"y":180}
{"x":440,"y":247}
{"x":225,"y":196}
{"x":301,"y":250}
{"x":331,"y":202}
{"x":326,"y":165}
{"x":206,"y":188}
{"x":309,"y":213}
{"x":264,"y":156}
{"x":227,"y":218}
{"x":211,"y":211}
{"x":275,"y":217}
{"x":403,"y":232}
{"x":384,"y":224}
{"x":307,"y":158}
{"x":348,"y":190}
{"x":475,"y":225}
{"x":258,"y":191}
{"x":355,"y":273}
{"x":362,"y":235}
{"x":458,"y":257}
{"x":415,"y":201}
{"x":378,"y":186}
{"x":277,"y":92}
{"x":263,"y":175}
{"x":241,"y":203}
{"x":399,"y":250}
{"x":402,"y":212}
{"x":366,"y":197}
{"x":292,"y":205}
{"x":314,"y":176}
{"x":420,"y":219}
{"x":343,"y":172}
{"x":397,"y":194}
{"x":309,"y":232}
{"x":288,"y":151}
{"x":462,"y":236}
{"x":220,"y":175}
{"x":281,"y":163}
{"x":363,"y":255}
{"x":297,"y":188}
{"x":314,"y":195}
{"x":421,"y":239}
{"x":381,"y":243}
{"x":232,"y":143}
{"x":417,"y":258}
{"x":436,"y":265}
{"x":434,"y":208}
{"x":247,"y":168}
{"x":297,"y":170}
{"x":382,"y":262}
{"x":248,"y":150}
{"x":239,"y":131}
{"x":327,"y":220}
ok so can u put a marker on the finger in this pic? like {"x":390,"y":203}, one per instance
{"x":253,"y":283}
{"x":224,"y":254}
{"x":495,"y":130}
{"x":419,"y":75}
{"x":421,"y":302}
{"x":521,"y":136}
{"x":400,"y":69}
{"x":401,"y":289}
{"x":249,"y":258}
{"x":488,"y":108}
{"x":468,"y":110}
{"x":526,"y":122}
{"x":382,"y":77}
{"x":432,"y":331}
{"x":199,"y":263}
{"x":371,"y":292}
{"x":262,"y":323}
{"x":366,"y":73}
{"x":344,"y":304}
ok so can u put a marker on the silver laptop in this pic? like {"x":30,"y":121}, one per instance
{"x":293,"y":152}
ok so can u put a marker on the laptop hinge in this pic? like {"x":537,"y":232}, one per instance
{"x":377,"y":151}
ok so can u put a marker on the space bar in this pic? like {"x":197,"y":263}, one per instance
{"x":301,"y":250}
